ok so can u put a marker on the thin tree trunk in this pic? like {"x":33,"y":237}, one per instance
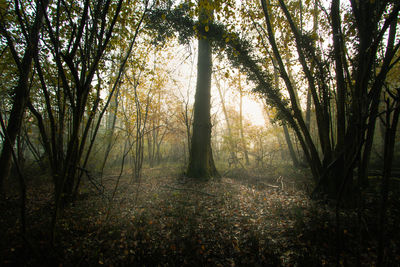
{"x":150,"y":149}
{"x":390,"y":137}
{"x":112,"y":118}
{"x":290,"y":146}
{"x":308,"y":105}
{"x":340,"y":81}
{"x":188,"y":125}
{"x":141,"y":124}
{"x":296,"y":121}
{"x":243,"y":141}
{"x":364,"y":163}
{"x":232,"y":147}
{"x":285,"y":129}
{"x":308,"y":110}
{"x":21,"y":91}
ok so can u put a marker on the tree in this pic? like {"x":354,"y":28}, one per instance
{"x":24,"y":66}
{"x":345,"y":102}
{"x":285,"y":128}
{"x":356,"y":88}
{"x":76,"y":65}
{"x":232,"y":144}
{"x":168,"y":22}
{"x":242,"y":139}
{"x":201,"y":162}
{"x":69,"y":109}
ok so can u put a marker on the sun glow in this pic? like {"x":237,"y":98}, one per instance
{"x":253,"y":110}
{"x":184,"y":64}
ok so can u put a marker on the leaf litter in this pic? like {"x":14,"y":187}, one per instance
{"x":163,"y":221}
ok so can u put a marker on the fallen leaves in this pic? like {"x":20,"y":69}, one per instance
{"x":227,"y":222}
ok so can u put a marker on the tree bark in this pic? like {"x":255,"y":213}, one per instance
{"x":201,"y":162}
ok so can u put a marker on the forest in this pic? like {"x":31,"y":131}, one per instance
{"x":199,"y":133}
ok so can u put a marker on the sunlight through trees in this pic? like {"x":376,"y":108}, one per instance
{"x":190,"y":108}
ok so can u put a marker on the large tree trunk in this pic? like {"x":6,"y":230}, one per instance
{"x":201,"y":162}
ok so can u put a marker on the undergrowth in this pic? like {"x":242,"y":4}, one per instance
{"x":246,"y":218}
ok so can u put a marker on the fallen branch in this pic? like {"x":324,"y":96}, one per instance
{"x":189,"y":189}
{"x":262,"y":185}
{"x":280,"y":179}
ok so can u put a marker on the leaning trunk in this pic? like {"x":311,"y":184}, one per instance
{"x":290,"y":146}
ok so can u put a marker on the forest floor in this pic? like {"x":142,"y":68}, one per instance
{"x":243,"y":219}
